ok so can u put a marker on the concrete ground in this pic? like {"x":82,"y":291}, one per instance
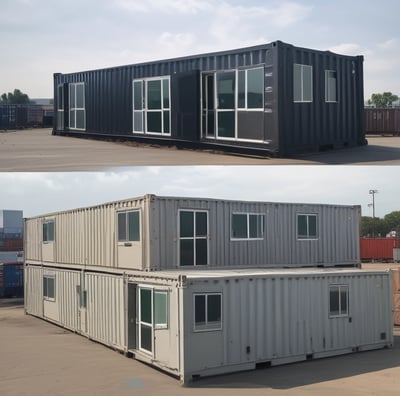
{"x":38,"y":150}
{"x":38,"y":358}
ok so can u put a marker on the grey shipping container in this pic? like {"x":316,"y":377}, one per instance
{"x":198,"y":323}
{"x":159,"y":233}
{"x":13,"y":116}
{"x":268,"y":99}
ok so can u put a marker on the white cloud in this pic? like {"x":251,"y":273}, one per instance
{"x":389,"y":44}
{"x":347,"y":49}
{"x":164,"y":6}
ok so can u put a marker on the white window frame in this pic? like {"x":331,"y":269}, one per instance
{"x":145,"y":110}
{"x":153,"y":325}
{"x":194,"y":237}
{"x":302,"y":67}
{"x":75,"y":109}
{"x":54,"y":229}
{"x":340,"y":287}
{"x":126,"y":212}
{"x":205,"y":329}
{"x":308,"y":237}
{"x":248,"y":238}
{"x":246,"y":108}
{"x":327,"y":87}
{"x":45,"y":293}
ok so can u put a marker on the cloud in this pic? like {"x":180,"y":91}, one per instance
{"x":389,"y":44}
{"x":347,"y":49}
{"x":164,"y":6}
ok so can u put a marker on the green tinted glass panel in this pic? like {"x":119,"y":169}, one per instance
{"x":226,"y":90}
{"x":343,"y":301}
{"x":297,"y":96}
{"x":154,"y":95}
{"x":145,"y":306}
{"x":134,"y":226}
{"x":138,"y":95}
{"x":334,"y":301}
{"x":255,"y":88}
{"x":307,"y":83}
{"x":186,"y":224}
{"x":80,"y":96}
{"x":145,"y":338}
{"x":201,"y":223}
{"x":72,"y":96}
{"x":165,"y":94}
{"x":154,"y":121}
{"x":201,"y":252}
{"x":80,"y":119}
{"x":200,"y":310}
{"x":242,"y":89}
{"x":160,"y":308}
{"x":256,"y":226}
{"x":239,"y":226}
{"x":122,"y":227}
{"x":166,"y":121}
{"x":226,"y":124}
{"x":50,"y":231}
{"x":312,"y":226}
{"x":187,"y":252}
{"x":214,"y":309}
{"x":302,"y":226}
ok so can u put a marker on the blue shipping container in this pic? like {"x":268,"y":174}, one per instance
{"x":11,"y":280}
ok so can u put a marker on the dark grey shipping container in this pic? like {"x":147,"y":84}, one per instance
{"x":274,"y":98}
{"x":13,"y":116}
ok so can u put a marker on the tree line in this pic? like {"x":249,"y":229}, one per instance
{"x":16,"y":97}
{"x":379,"y":227}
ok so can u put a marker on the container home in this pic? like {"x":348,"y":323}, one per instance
{"x":268,"y":99}
{"x":196,"y":287}
{"x":158,"y":233}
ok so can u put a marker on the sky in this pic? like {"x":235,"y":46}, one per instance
{"x":41,"y":37}
{"x":41,"y":193}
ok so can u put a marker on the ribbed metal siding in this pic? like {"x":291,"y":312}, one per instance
{"x":33,"y":290}
{"x":338,"y":241}
{"x":319,"y":124}
{"x":83,"y":236}
{"x":105,"y":309}
{"x":285,"y":318}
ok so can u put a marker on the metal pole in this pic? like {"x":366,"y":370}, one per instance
{"x":373,"y":192}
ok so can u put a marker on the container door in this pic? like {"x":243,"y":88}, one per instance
{"x":131,"y":316}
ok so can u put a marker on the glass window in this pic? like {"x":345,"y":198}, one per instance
{"x":49,"y":287}
{"x":60,"y":97}
{"x":154,"y":95}
{"x":247,"y":226}
{"x":77,"y":112}
{"x":226,"y":90}
{"x":154,"y":121}
{"x":145,"y":306}
{"x":166,"y":121}
{"x":138,"y":95}
{"x":307,"y":226}
{"x":242,"y":89}
{"x":255,"y":88}
{"x":193,"y":237}
{"x":330,"y":86}
{"x":138,"y":121}
{"x":338,"y":300}
{"x":226,"y":124}
{"x":49,"y":231}
{"x":207,"y":311}
{"x":302,"y":83}
{"x":129,"y":226}
{"x":165,"y":93}
{"x":160,"y":309}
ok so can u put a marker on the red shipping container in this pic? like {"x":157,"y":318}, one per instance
{"x":382,"y":121}
{"x":12,"y":245}
{"x":378,"y":249}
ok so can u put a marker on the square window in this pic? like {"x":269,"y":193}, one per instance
{"x":247,"y":226}
{"x":207,"y":311}
{"x":49,"y":287}
{"x":129,"y":226}
{"x":307,"y":226}
{"x":338,"y":300}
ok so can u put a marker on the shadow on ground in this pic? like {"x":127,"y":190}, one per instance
{"x":309,"y":372}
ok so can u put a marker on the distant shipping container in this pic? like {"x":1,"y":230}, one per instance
{"x":11,"y":245}
{"x":378,"y":249}
{"x":382,"y":121}
{"x":13,"y":116}
{"x":11,"y":280}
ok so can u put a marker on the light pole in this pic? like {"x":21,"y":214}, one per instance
{"x":373,"y":192}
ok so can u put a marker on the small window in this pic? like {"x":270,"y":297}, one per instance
{"x":302,"y":83}
{"x":129,"y":226}
{"x":160,"y":309}
{"x":247,"y":226}
{"x":48,"y":231}
{"x":338,"y":300}
{"x":49,"y":287}
{"x":251,"y":89}
{"x":307,"y":226}
{"x":208,"y":311}
{"x":330,"y":86}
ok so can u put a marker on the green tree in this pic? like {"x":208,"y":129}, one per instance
{"x":372,"y":227}
{"x":16,"y":97}
{"x":383,"y":100}
{"x":392,"y":221}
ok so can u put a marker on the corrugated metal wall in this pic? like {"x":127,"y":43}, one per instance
{"x":83,"y":236}
{"x":34,"y":290}
{"x":318,"y":125}
{"x":285,"y":318}
{"x":338,"y":242}
{"x":382,"y":121}
{"x":106,"y":309}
